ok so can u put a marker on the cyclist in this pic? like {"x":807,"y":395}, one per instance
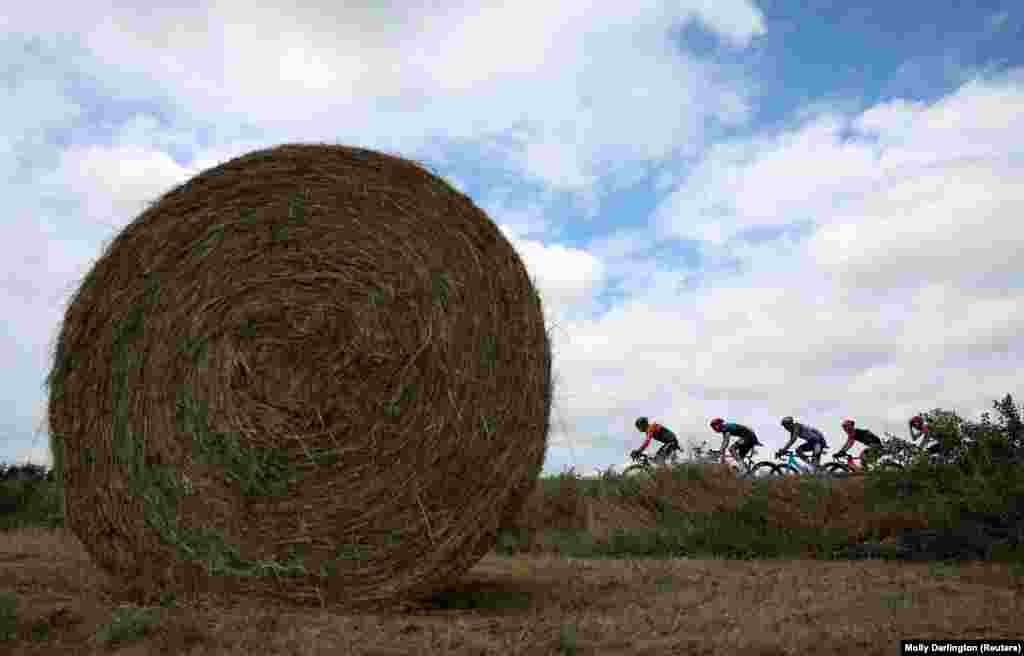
{"x":920,"y":430}
{"x":745,"y":442}
{"x":872,"y":443}
{"x":658,"y":433}
{"x":814,"y":441}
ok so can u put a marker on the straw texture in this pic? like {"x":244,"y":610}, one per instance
{"x":313,"y":372}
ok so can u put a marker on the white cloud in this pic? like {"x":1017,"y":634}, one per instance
{"x":114,"y":184}
{"x":959,"y":222}
{"x":520,"y":222}
{"x":739,"y":22}
{"x":565,"y":276}
{"x":820,"y":172}
{"x":577,"y":88}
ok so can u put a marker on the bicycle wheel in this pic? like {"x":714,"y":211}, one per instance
{"x":786,"y":469}
{"x":763,"y":470}
{"x":636,"y":471}
{"x":838,"y":470}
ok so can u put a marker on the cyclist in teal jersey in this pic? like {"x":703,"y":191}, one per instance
{"x":745,"y":442}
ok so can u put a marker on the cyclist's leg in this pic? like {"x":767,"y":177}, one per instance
{"x":817,"y":448}
{"x":803,"y":449}
{"x":743,"y":449}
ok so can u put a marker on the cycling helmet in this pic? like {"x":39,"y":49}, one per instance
{"x":916,"y":421}
{"x":716,"y":423}
{"x":787,"y":422}
{"x":641,"y":423}
{"x":848,"y":425}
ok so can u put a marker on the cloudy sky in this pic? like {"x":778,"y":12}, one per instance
{"x":738,"y":209}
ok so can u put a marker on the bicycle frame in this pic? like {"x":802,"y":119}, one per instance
{"x":798,"y":464}
{"x":744,"y":465}
{"x":848,"y":460}
{"x":647,"y":463}
{"x":883,"y":463}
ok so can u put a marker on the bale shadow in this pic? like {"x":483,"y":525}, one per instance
{"x":482,"y":596}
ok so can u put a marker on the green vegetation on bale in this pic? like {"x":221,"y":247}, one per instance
{"x":128,"y":623}
{"x":8,"y":615}
{"x":260,"y":472}
{"x":488,"y":351}
{"x":393,"y":406}
{"x":296,"y":216}
{"x":209,"y":240}
{"x":567,"y":639}
{"x":440,"y":288}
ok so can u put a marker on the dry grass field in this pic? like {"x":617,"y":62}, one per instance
{"x":532,"y":605}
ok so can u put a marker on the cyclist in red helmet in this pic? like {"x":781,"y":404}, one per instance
{"x":872,"y":443}
{"x":745,"y":442}
{"x":919,"y":430}
{"x":658,"y":433}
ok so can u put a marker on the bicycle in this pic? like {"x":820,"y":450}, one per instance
{"x":791,"y":465}
{"x":844,"y":465}
{"x":644,"y":465}
{"x":698,"y":453}
{"x":745,"y":468}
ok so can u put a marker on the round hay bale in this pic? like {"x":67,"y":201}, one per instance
{"x":314,"y":372}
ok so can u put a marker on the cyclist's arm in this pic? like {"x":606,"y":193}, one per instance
{"x":725,"y":444}
{"x":647,"y":441}
{"x":846,"y":447}
{"x":792,"y":438}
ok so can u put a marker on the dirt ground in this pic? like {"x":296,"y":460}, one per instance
{"x":539,"y":605}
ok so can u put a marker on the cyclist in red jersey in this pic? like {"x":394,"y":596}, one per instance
{"x":658,"y":433}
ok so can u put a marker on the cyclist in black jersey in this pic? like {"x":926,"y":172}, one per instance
{"x":871,"y":442}
{"x":745,"y":442}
